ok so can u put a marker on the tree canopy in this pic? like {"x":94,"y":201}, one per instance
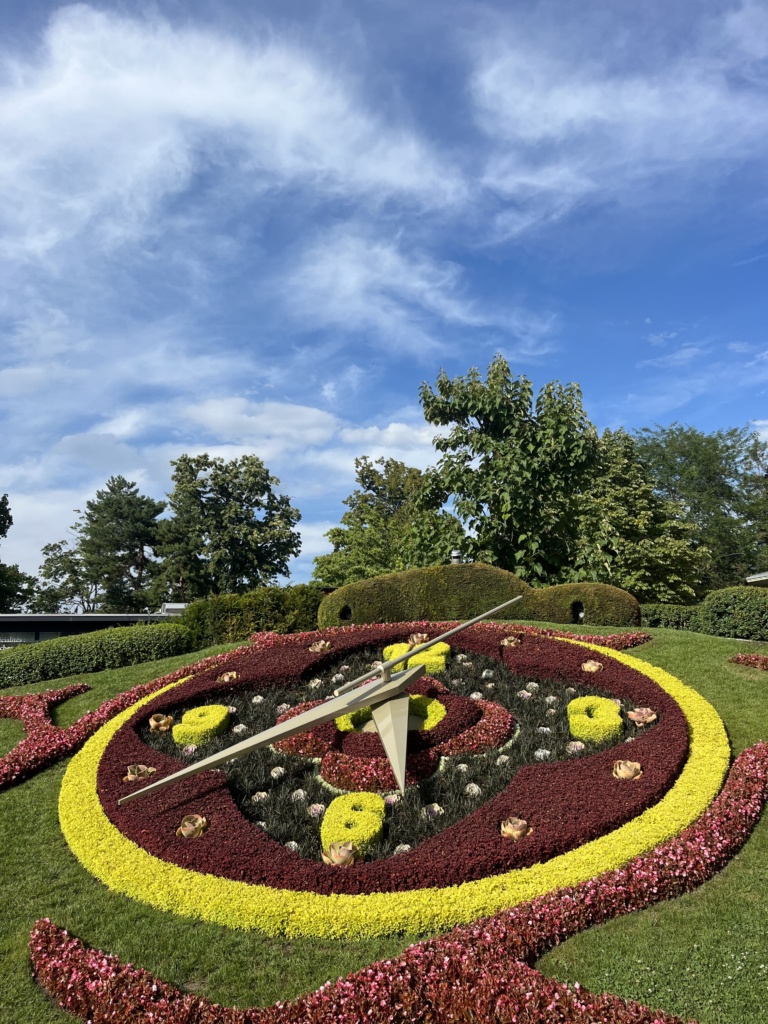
{"x":512,"y":466}
{"x":229,"y":530}
{"x":16,"y":587}
{"x":385,"y":527}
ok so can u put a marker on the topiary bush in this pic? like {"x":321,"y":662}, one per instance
{"x":670,"y":616}
{"x":601,"y":605}
{"x":437,"y":593}
{"x":92,"y":652}
{"x":446,"y":592}
{"x":227,"y":618}
{"x":735,"y":611}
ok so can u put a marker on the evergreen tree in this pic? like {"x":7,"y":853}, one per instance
{"x":378,"y":533}
{"x":16,"y":587}
{"x":229,"y":531}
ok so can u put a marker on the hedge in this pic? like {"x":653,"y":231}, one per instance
{"x":227,"y":618}
{"x":449,"y":592}
{"x":670,"y":616}
{"x":92,"y":652}
{"x":740,"y":612}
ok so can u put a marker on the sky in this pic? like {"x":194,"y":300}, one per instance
{"x":243,"y":227}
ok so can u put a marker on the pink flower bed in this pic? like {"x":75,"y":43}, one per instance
{"x":46,"y":743}
{"x":476,"y":972}
{"x":752,"y":660}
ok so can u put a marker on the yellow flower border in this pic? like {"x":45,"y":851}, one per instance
{"x":130,"y":870}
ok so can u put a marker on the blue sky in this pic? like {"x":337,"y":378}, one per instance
{"x":257,"y":228}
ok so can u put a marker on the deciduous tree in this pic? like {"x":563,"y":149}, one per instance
{"x":16,"y":587}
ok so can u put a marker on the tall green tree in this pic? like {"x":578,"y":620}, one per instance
{"x":117,"y":535}
{"x":64,"y":583}
{"x":720,"y":480}
{"x":631,"y":537}
{"x":378,"y":532}
{"x":229,"y":530}
{"x":512,"y":466}
{"x":16,"y":587}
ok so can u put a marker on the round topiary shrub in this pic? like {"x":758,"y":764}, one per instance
{"x":199,"y":725}
{"x":735,"y":611}
{"x":594,"y":604}
{"x":438,"y":593}
{"x":595,"y":720}
{"x":353,"y":817}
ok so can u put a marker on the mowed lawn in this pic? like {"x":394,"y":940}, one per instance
{"x":704,"y":956}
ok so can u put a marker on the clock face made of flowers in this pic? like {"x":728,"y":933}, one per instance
{"x":482,"y":755}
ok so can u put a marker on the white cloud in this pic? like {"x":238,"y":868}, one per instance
{"x":682,"y":356}
{"x":660,"y":337}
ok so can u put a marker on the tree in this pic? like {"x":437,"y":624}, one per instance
{"x":117,"y":535}
{"x":631,"y":537}
{"x":16,"y":587}
{"x":63,"y":582}
{"x":512,"y":468}
{"x":229,"y":531}
{"x":720,"y":480}
{"x":378,"y":532}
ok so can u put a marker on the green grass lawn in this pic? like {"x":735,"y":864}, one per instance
{"x":704,"y":956}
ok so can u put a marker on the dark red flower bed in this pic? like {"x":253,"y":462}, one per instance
{"x":568,"y":803}
{"x":476,"y":972}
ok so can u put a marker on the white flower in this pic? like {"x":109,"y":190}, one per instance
{"x":282,"y":708}
{"x":502,"y":759}
{"x":462,"y":767}
{"x":461,"y":657}
{"x":315,"y":683}
{"x":467,"y":664}
{"x":338,"y":678}
{"x":257,"y":699}
{"x":570,"y":690}
{"x":240,"y":729}
{"x":532,"y":687}
{"x":298,"y":795}
{"x":574,"y":747}
{"x":550,"y":700}
{"x":476,"y":695}
{"x":277,"y":773}
{"x":472,"y":789}
{"x":261,"y":824}
{"x":232,"y":709}
{"x":259,"y":797}
{"x":542,"y":755}
{"x":391,"y":799}
{"x":551,"y":711}
{"x":432,"y":811}
{"x":290,"y":845}
{"x":488,"y":673}
{"x":545,"y":729}
{"x":316,"y":810}
{"x":524,"y":695}
{"x":344,"y":668}
{"x":490,"y":686}
{"x":402,"y":848}
{"x":189,"y":749}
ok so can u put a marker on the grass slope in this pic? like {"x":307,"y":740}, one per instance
{"x":704,"y":956}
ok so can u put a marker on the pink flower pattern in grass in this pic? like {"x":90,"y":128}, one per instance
{"x":751,"y":660}
{"x":475,"y":972}
{"x":46,"y":743}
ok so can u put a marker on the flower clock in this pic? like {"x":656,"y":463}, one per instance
{"x":532,"y":776}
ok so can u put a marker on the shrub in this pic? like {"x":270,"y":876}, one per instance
{"x":601,"y":604}
{"x":595,"y":720}
{"x":227,"y":618}
{"x":92,"y":652}
{"x":670,"y":616}
{"x":438,"y":593}
{"x":735,"y":611}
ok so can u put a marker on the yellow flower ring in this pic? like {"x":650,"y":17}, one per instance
{"x":127,"y":868}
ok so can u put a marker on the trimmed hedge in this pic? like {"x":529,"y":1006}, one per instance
{"x":228,"y":618}
{"x":92,"y":652}
{"x":438,"y":593}
{"x":670,"y":616}
{"x":602,"y":605}
{"x":740,"y":612}
{"x":442,"y":593}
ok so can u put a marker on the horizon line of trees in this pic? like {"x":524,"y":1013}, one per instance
{"x":524,"y":481}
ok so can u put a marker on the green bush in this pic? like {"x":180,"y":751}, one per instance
{"x":740,"y":612}
{"x":437,"y":593}
{"x":670,"y":616}
{"x":228,"y":618}
{"x":601,"y":604}
{"x":92,"y":652}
